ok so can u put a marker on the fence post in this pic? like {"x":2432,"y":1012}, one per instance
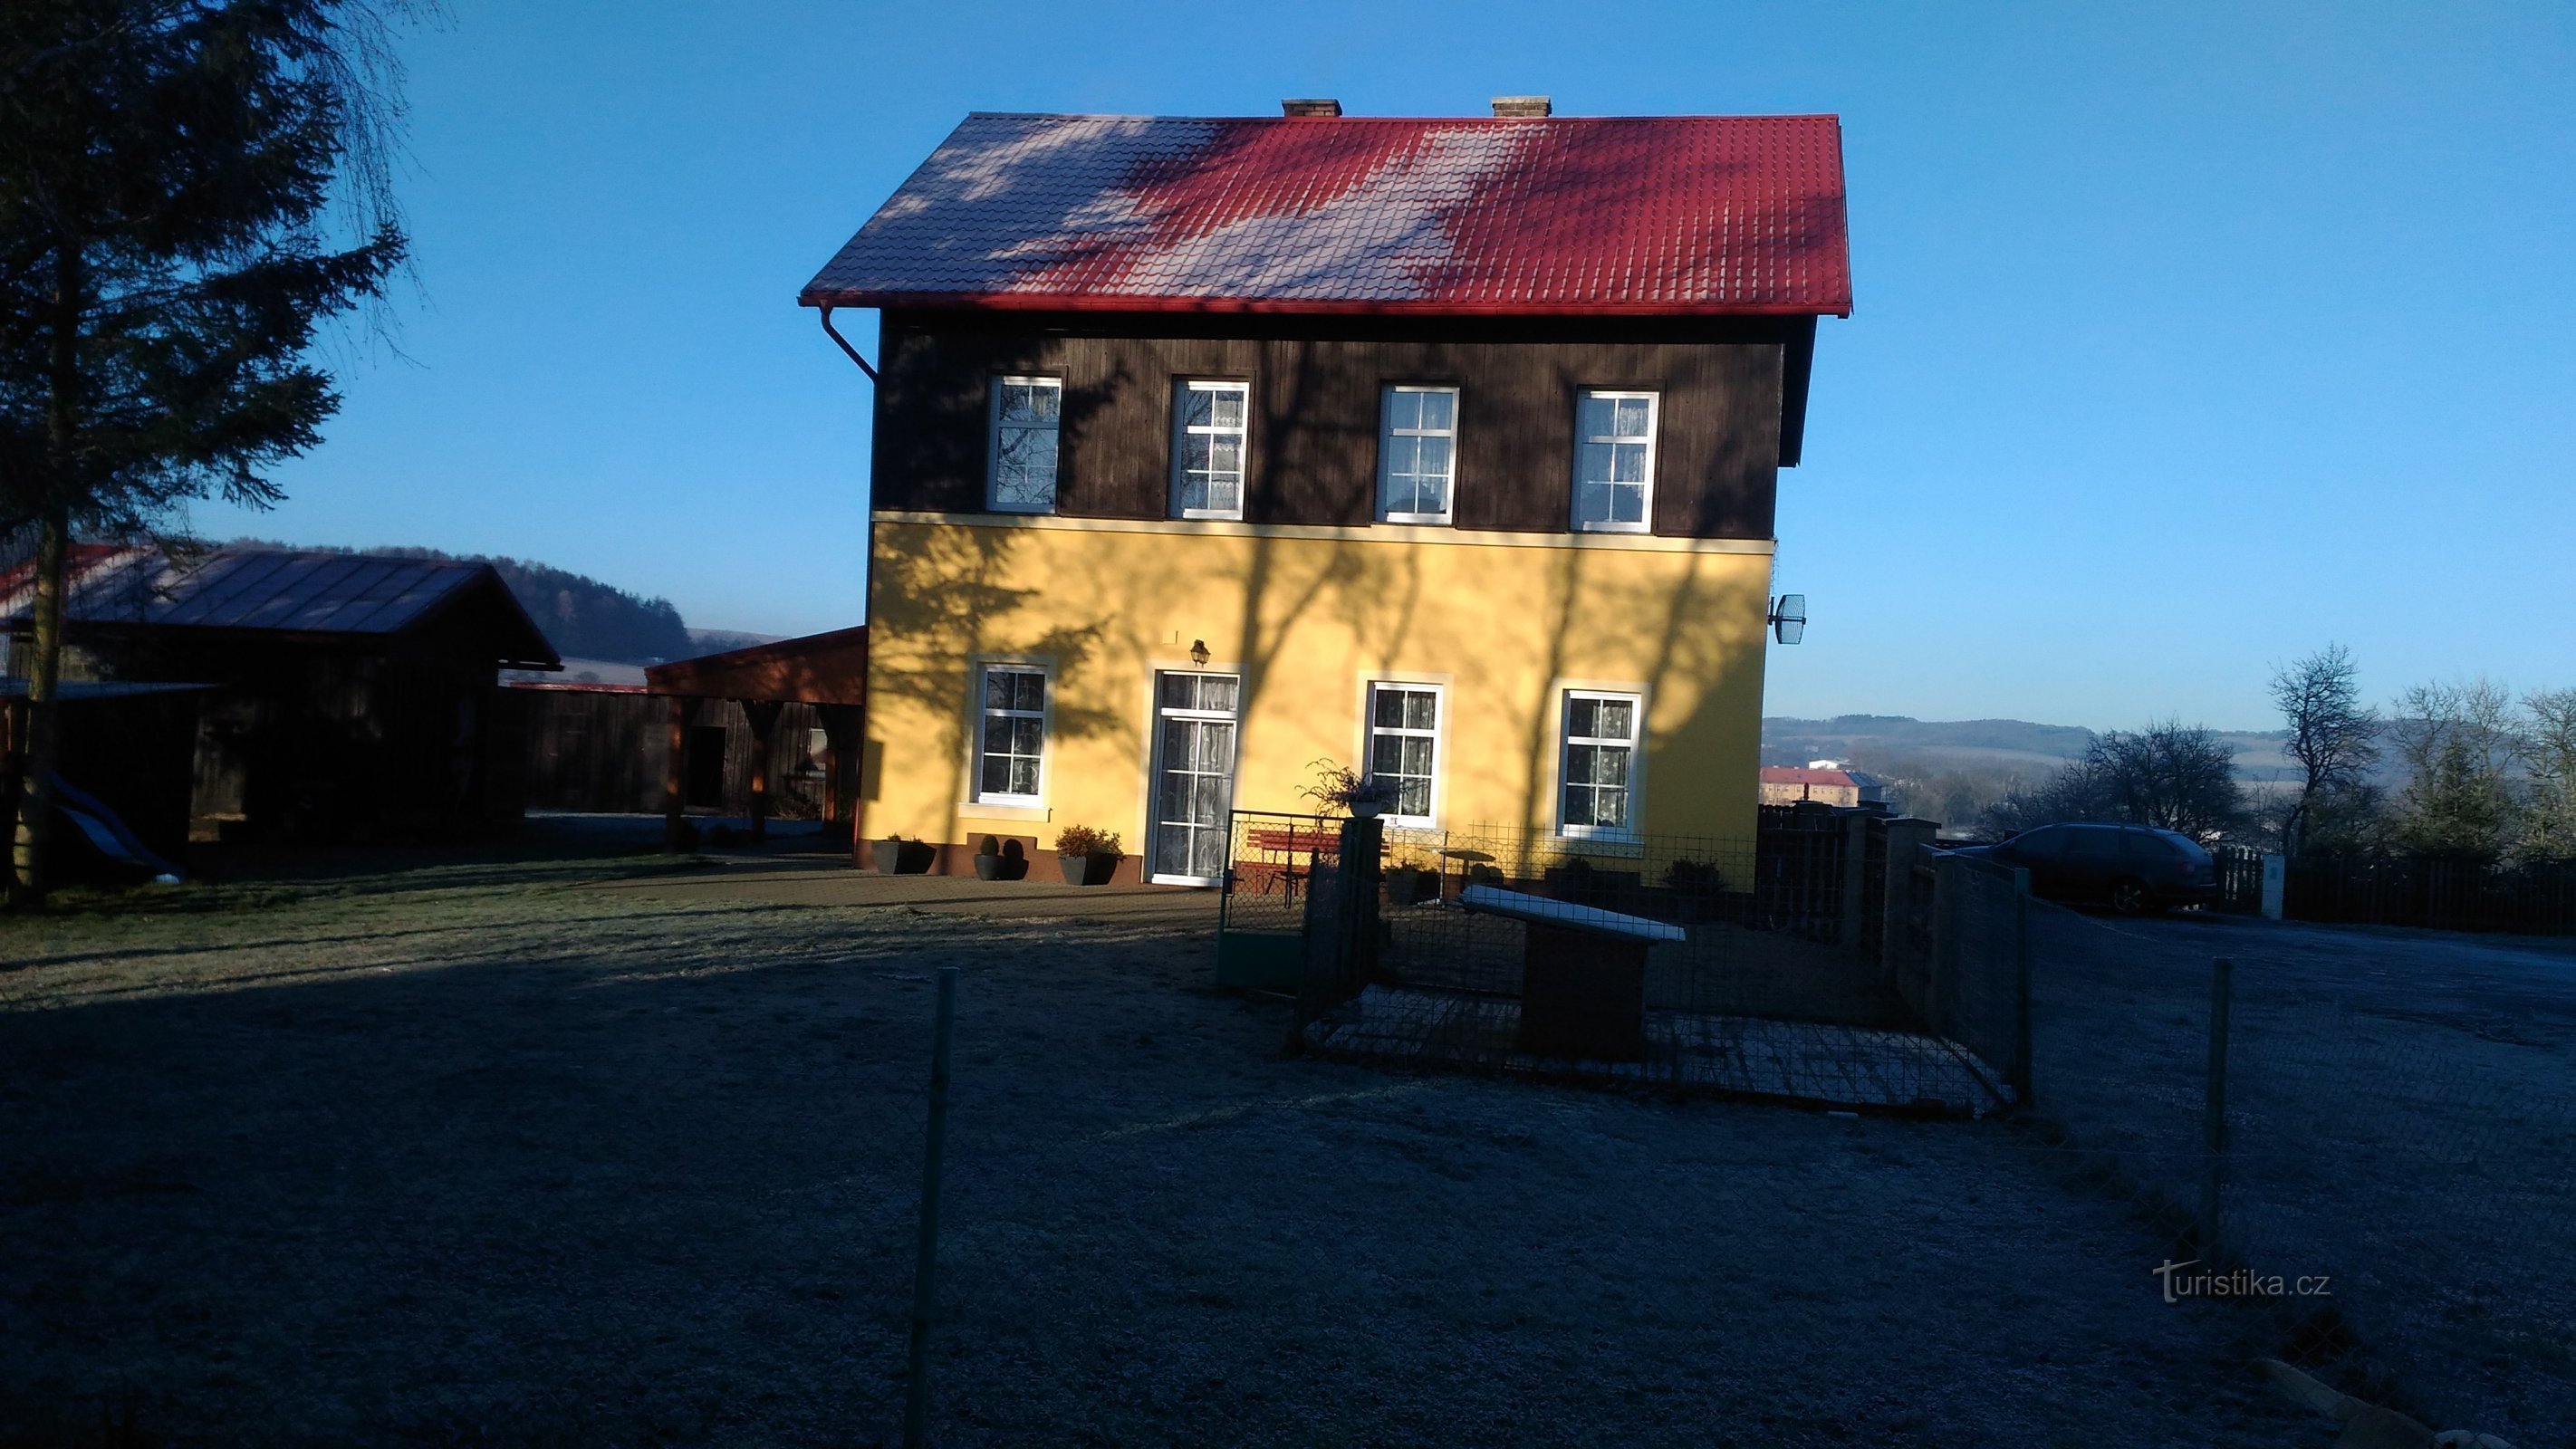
{"x":2213,"y":1110}
{"x":1905,"y":837}
{"x":916,"y":1395}
{"x":1855,"y":874}
{"x":2019,"y":1079}
{"x":1363,"y":841}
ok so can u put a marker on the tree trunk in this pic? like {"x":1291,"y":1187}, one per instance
{"x":31,"y":851}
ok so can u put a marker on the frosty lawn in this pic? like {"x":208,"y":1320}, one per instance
{"x":592,"y":1151}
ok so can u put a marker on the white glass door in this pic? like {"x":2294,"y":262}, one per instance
{"x":1194,"y":727}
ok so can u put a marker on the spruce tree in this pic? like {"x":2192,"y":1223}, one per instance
{"x":187,"y":189}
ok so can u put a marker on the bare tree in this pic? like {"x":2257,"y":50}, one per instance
{"x":2549,"y":754}
{"x":2334,"y":737}
{"x":2459,"y":744}
{"x":2172,"y":776}
{"x":2168,"y":775}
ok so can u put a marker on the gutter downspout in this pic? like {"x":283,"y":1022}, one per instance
{"x":836,"y":336}
{"x":858,"y":765}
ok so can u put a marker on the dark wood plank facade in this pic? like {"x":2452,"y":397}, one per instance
{"x":609,"y":751}
{"x":1732,"y":410}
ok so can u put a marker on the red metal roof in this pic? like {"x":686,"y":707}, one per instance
{"x":1669,"y":215}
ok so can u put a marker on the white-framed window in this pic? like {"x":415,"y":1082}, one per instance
{"x":1597,"y":766}
{"x":1010,"y":738}
{"x":1026,"y":414}
{"x":1208,"y":432}
{"x":1404,"y":747}
{"x":1417,"y":450}
{"x":1614,"y":461}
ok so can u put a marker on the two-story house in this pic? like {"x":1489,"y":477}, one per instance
{"x":1208,"y":449}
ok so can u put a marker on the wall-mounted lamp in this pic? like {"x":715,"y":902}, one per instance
{"x":1198,"y":653}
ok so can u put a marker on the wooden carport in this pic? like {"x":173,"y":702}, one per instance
{"x":827,"y":671}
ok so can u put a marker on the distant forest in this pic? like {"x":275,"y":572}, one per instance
{"x":582,"y":617}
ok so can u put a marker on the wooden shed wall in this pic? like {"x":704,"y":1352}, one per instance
{"x":609,"y":752}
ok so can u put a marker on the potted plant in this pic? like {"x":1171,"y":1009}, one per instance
{"x":998,"y":859}
{"x":1410,"y":883}
{"x":1695,"y":887}
{"x":1340,"y":788}
{"x":895,"y":855}
{"x":1087,"y":856}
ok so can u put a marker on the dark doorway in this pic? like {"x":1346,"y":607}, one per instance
{"x":706,"y":772}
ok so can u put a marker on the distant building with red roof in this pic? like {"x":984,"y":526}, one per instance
{"x":1825,"y":784}
{"x":1446,"y":448}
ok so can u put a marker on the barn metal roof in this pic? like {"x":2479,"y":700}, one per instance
{"x":280,"y":590}
{"x":1659,"y":215}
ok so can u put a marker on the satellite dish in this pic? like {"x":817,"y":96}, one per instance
{"x":1789,"y":618}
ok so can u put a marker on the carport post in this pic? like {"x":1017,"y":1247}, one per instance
{"x":916,"y":1394}
{"x":672,"y":803}
{"x":2213,"y":1110}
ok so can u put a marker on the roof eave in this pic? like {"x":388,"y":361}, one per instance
{"x":1111,"y":302}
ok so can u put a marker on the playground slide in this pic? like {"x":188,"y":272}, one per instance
{"x":107,"y":831}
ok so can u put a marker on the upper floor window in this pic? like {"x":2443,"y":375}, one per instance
{"x":1025,"y":414}
{"x":1208,"y":425}
{"x":1403,"y":747}
{"x":1417,"y":454}
{"x":1597,"y":771}
{"x":1010,"y":745}
{"x":1614,"y":461}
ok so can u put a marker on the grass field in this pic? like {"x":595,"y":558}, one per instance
{"x":2402,"y":1120}
{"x":601,"y":1150}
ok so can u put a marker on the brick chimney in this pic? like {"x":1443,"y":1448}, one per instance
{"x":1323,"y":108}
{"x":1523,"y":107}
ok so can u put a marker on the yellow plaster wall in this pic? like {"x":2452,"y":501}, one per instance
{"x":1306,"y":621}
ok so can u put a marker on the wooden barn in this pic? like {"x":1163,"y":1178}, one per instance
{"x":352,"y":697}
{"x":770,"y":732}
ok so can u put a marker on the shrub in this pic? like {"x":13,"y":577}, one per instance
{"x":1691,"y":877}
{"x":1083,"y":840}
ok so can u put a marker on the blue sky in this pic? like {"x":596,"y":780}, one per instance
{"x":2187,"y":337}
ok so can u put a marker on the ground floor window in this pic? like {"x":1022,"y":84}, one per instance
{"x":1598,"y":765}
{"x":1010,"y":745}
{"x":1403,"y":747}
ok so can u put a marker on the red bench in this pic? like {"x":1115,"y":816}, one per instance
{"x":1297,"y":851}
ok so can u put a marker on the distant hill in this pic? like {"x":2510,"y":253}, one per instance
{"x":1975,"y":744}
{"x":720,"y":641}
{"x":581,"y":616}
{"x":2002,"y":746}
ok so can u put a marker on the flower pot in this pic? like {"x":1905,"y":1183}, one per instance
{"x":902,"y":857}
{"x":988,"y":867}
{"x":1087,"y":869}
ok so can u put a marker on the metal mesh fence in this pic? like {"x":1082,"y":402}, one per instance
{"x":2397,"y":1160}
{"x":1757,"y":967}
{"x":1762,"y":928}
{"x":1272,"y":860}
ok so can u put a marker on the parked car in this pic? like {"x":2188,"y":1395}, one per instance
{"x":2130,"y":868}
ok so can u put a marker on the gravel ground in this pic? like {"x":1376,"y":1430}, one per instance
{"x":596,"y":1151}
